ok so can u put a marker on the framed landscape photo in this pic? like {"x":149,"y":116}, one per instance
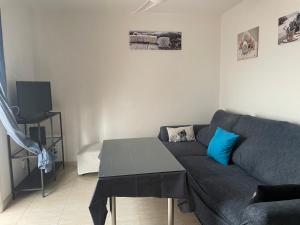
{"x":247,"y":44}
{"x":151,"y":40}
{"x":289,"y":28}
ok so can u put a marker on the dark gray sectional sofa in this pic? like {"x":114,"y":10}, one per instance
{"x":268,"y":153}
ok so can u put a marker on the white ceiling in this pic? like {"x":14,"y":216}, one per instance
{"x":169,"y":6}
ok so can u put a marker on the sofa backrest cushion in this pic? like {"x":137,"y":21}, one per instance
{"x":269,"y":151}
{"x":222,"y":119}
{"x":203,"y":136}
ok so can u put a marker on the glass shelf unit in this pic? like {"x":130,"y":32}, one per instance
{"x":37,"y":179}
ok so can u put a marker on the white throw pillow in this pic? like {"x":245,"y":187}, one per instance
{"x":181,"y":134}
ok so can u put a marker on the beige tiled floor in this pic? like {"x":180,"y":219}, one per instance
{"x":68,"y":200}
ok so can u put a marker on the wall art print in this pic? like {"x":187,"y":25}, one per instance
{"x":151,"y":40}
{"x":248,"y":42}
{"x":289,"y":28}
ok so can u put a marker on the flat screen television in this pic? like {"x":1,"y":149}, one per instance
{"x":34,"y":98}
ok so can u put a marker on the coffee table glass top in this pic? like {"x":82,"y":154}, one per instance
{"x":125,"y":157}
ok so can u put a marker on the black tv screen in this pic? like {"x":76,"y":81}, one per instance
{"x":34,"y":98}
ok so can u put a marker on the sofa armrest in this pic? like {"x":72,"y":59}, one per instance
{"x":163,"y":133}
{"x":273,"y":213}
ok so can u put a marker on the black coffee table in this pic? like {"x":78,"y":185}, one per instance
{"x":141,"y":167}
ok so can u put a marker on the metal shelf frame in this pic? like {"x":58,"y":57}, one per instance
{"x":36,"y":177}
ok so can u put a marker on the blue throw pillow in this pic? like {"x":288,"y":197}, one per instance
{"x":221,"y":145}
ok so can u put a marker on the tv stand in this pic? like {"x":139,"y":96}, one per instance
{"x":36,"y":179}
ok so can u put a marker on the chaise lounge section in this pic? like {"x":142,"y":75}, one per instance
{"x":267,"y":154}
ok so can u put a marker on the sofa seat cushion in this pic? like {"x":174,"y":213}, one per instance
{"x":186,"y":149}
{"x":226,"y":190}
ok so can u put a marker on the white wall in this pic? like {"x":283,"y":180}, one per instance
{"x":17,"y":26}
{"x":105,"y":90}
{"x":266,"y":86}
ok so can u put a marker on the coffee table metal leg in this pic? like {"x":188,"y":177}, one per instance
{"x":170,"y":211}
{"x":113,"y":211}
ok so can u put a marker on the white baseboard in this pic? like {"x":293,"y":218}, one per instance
{"x":5,"y":203}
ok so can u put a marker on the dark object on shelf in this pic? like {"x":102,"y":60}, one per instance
{"x":36,"y":179}
{"x":34,"y":98}
{"x":38,"y":135}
